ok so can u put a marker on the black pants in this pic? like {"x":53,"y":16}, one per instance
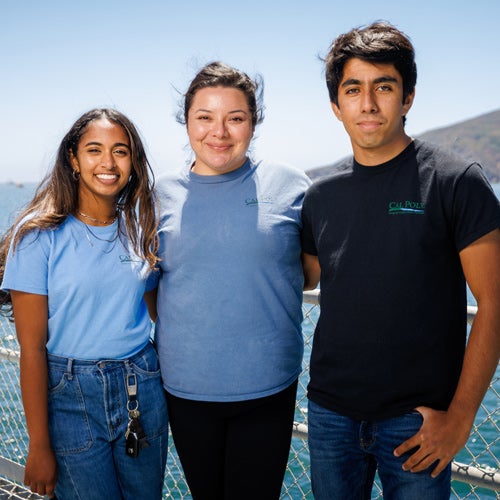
{"x":236,"y":450}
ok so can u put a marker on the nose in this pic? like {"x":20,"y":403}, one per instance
{"x":108,"y":160}
{"x":369,"y":102}
{"x":219,"y":128}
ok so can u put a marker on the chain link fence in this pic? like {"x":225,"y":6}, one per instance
{"x":475,"y":472}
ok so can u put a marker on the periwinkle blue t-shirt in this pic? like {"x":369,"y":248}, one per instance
{"x":230,"y":291}
{"x":95,"y":289}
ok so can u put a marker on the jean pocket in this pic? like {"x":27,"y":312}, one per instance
{"x":68,"y":421}
{"x":147,"y":364}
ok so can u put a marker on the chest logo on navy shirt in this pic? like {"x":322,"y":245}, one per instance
{"x":406,"y":208}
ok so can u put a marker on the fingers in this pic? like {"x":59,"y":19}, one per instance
{"x":408,"y":445}
{"x":429,"y":447}
{"x":40,"y":487}
{"x":415,"y":464}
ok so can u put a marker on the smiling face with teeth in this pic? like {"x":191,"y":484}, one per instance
{"x":103,"y":159}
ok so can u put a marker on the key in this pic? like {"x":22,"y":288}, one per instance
{"x":134,"y":414}
{"x":135,"y":437}
{"x":130,"y":427}
{"x":132,"y":444}
{"x":141,"y":435}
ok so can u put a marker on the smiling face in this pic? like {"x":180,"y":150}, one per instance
{"x":103,"y":160}
{"x":219,"y":126}
{"x":371,"y":107}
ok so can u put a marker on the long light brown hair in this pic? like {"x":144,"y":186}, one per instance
{"x":56,"y":197}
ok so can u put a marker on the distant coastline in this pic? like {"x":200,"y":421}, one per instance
{"x":475,"y":139}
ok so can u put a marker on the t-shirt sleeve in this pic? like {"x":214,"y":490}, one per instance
{"x":476,"y":207}
{"x":26,"y":268}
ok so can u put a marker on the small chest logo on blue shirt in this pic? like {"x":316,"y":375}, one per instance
{"x":124,"y":259}
{"x":406,"y":208}
{"x":250,"y":202}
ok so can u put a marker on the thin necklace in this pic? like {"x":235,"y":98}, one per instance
{"x":88,"y":233}
{"x":97,"y":220}
{"x":98,"y":237}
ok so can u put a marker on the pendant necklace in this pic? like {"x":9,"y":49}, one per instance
{"x":89,"y":234}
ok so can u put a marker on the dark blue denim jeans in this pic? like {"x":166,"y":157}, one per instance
{"x":346,"y":453}
{"x":87,"y":421}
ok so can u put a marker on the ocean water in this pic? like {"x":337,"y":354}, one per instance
{"x":14,"y":196}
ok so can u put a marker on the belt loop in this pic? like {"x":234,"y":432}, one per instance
{"x":69,"y":369}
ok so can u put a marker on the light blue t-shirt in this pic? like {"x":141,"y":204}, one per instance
{"x":95,"y":289}
{"x":230,"y":291}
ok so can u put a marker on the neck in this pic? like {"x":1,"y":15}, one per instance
{"x":378,"y":155}
{"x":95,"y":217}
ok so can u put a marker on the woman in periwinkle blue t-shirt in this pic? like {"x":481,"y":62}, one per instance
{"x":230,"y":296}
{"x":77,"y":266}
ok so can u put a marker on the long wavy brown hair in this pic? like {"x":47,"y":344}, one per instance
{"x":56,"y":197}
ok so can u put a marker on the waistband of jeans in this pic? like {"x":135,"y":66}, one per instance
{"x":72,"y":363}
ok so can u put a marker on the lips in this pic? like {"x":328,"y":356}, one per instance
{"x":107,"y":177}
{"x":219,"y":147}
{"x":369,"y":126}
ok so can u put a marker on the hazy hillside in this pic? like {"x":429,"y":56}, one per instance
{"x":477,"y":138}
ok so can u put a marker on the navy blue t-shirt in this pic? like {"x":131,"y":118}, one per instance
{"x":392,"y":328}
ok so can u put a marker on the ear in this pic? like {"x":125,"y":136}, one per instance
{"x":336,"y":111}
{"x":74,"y":161}
{"x":408,"y":102}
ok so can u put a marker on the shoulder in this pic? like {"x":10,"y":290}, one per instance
{"x":444,"y":161}
{"x":449,"y":169}
{"x":331,"y":176}
{"x":281,"y":173}
{"x":171,"y":176}
{"x":35,"y":240}
{"x":32,"y":230}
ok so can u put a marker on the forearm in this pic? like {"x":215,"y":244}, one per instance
{"x":34,"y":388}
{"x":480,"y":362}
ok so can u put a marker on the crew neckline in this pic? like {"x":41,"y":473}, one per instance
{"x":382,"y":167}
{"x":216,"y":179}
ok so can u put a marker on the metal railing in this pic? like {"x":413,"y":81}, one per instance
{"x":475,"y":473}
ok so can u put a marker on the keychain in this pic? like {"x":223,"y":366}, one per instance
{"x":135,"y":437}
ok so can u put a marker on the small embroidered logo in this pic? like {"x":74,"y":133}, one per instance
{"x":249,"y":202}
{"x":124,"y":259}
{"x":406,"y":208}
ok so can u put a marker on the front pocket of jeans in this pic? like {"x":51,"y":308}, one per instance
{"x":68,"y":422}
{"x":147,"y":365}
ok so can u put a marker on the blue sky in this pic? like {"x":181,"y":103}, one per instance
{"x":60,"y":58}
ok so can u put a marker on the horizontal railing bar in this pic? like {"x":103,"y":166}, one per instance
{"x":9,"y":354}
{"x":475,"y":476}
{"x":12,"y":470}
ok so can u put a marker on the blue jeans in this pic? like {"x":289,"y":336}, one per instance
{"x":345,"y":453}
{"x":87,"y":422}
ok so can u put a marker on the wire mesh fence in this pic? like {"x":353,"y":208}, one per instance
{"x":478,"y":463}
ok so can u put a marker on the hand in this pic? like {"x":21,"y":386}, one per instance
{"x":439,"y":439}
{"x":40,"y":473}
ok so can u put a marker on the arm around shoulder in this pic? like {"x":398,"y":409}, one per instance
{"x":150,"y":299}
{"x":311,"y":269}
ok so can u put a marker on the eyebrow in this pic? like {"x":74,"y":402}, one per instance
{"x":202,"y":110}
{"x":381,"y":79}
{"x":96,"y":143}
